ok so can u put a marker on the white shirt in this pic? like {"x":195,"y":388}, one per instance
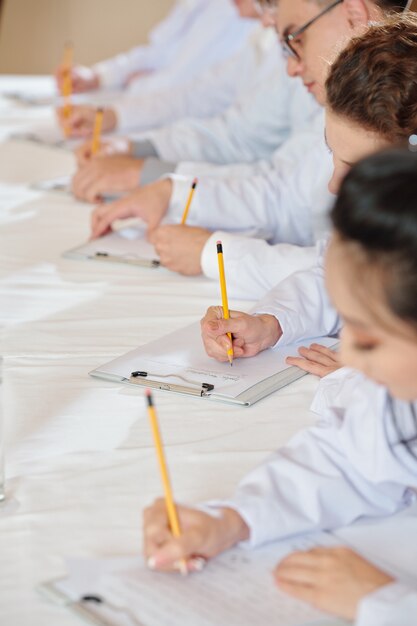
{"x":392,"y":605}
{"x":349,"y":467}
{"x":284,"y":200}
{"x":205,"y":95}
{"x":328,"y":476}
{"x":301,"y":303}
{"x":250,"y":130}
{"x":195,"y":35}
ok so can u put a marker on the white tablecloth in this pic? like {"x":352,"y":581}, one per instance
{"x":80,"y":461}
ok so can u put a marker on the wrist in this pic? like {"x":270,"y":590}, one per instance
{"x":233,"y":529}
{"x":165,"y":188}
{"x":110,"y":120}
{"x":95,"y":81}
{"x":133,"y":173}
{"x":272,"y":330}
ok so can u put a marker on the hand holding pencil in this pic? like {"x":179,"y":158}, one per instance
{"x":182,"y":538}
{"x":251,"y":333}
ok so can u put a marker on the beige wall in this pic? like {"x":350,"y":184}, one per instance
{"x":32,"y":32}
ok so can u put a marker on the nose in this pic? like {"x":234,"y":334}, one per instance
{"x":294,"y":67}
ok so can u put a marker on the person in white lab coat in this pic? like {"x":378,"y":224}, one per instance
{"x":165,"y":61}
{"x":250,"y":130}
{"x":360,"y":463}
{"x":283,"y":201}
{"x":205,"y":90}
{"x":361,"y":118}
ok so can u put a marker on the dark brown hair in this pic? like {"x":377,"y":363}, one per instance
{"x":376,"y":211}
{"x":373,"y":82}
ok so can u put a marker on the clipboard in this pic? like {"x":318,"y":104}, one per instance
{"x":127,"y":246}
{"x":178,"y":364}
{"x":103,"y":613}
{"x":104,"y":596}
{"x":61,"y":184}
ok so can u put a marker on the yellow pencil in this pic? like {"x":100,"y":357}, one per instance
{"x":224,"y":295}
{"x":190,"y":199}
{"x":169,"y":500}
{"x":67,"y":83}
{"x":98,"y":123}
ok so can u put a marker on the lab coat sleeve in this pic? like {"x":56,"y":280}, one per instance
{"x":272,"y":200}
{"x":208,"y":94}
{"x":253,"y":266}
{"x":251,"y":129}
{"x":212,"y":30}
{"x":301,"y":304}
{"x":391,"y":605}
{"x":328,"y":477}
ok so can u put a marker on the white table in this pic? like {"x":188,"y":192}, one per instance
{"x":80,"y":461}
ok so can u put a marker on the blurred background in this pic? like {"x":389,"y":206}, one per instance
{"x":33,"y":32}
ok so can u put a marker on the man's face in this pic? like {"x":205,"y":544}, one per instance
{"x":319,"y":45}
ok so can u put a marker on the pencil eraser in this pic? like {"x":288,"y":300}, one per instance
{"x":195,"y":181}
{"x":148,"y":392}
{"x":219,"y":243}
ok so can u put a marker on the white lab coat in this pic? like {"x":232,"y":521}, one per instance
{"x":196,"y":35}
{"x":392,"y":605}
{"x":349,"y":467}
{"x":301,"y":303}
{"x":254,"y":268}
{"x":250,"y":130}
{"x":209,"y":93}
{"x":284,"y":200}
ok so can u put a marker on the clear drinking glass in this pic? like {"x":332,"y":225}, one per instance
{"x":2,"y":449}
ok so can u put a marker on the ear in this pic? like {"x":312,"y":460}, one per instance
{"x":268,"y":19}
{"x":357,"y":13}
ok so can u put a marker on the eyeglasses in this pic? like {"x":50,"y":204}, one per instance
{"x":288,"y":48}
{"x":263,"y":8}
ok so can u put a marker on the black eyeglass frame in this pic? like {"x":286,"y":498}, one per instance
{"x":286,"y":44}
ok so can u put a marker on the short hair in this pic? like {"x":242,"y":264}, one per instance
{"x":373,"y":82}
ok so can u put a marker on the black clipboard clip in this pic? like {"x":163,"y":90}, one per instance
{"x":126,"y":260}
{"x":141,"y":378}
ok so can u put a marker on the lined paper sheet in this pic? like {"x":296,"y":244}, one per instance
{"x":235,"y":589}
